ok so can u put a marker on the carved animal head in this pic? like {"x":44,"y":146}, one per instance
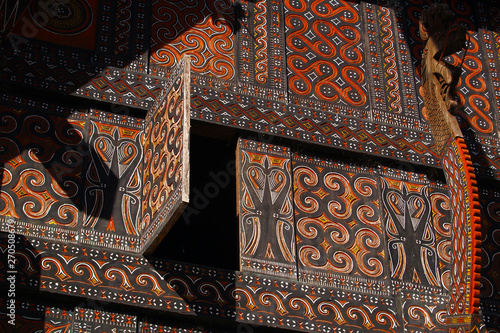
{"x":436,"y":27}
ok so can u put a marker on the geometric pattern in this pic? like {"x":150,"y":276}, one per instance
{"x":440,"y":205}
{"x":222,"y":104}
{"x":372,"y":108}
{"x":107,"y":276}
{"x":70,"y":23}
{"x":203,"y":29}
{"x":411,"y":239}
{"x":387,"y":44}
{"x":123,"y":31}
{"x":113,"y":185}
{"x":389,"y":62}
{"x":260,"y":47}
{"x":100,"y":83}
{"x":466,"y":231}
{"x":121,"y":27}
{"x":339,"y":227}
{"x":325,"y":53}
{"x":95,"y":177}
{"x":165,"y":178}
{"x":42,"y":164}
{"x":37,"y":315}
{"x":354,"y":55}
{"x":267,"y":231}
{"x":474,"y":94}
{"x":423,"y":312}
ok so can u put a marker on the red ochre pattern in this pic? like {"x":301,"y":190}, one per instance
{"x":339,"y":229}
{"x":82,"y":176}
{"x":267,"y":233}
{"x":165,"y":163}
{"x":466,"y":230}
{"x":410,"y":234}
{"x":196,"y":290}
{"x":203,"y":29}
{"x":41,"y":164}
{"x":323,"y":52}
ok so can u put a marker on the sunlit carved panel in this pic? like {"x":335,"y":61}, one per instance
{"x":165,"y":190}
{"x":465,"y":230}
{"x":203,"y":29}
{"x":439,"y":198}
{"x":265,"y":208}
{"x":325,"y":52}
{"x":339,"y":227}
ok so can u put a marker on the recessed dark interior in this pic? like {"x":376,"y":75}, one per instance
{"x":207,"y":231}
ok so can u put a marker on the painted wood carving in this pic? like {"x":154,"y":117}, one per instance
{"x":439,"y":81}
{"x":440,"y":78}
{"x":267,"y":230}
{"x":339,"y":227}
{"x":97,"y":178}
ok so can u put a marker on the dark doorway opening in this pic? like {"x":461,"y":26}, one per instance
{"x":207,"y":231}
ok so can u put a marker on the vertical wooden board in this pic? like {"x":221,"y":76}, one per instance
{"x":339,"y":227}
{"x":261,"y":47}
{"x":113,"y":183}
{"x":166,"y":159}
{"x":409,"y":228}
{"x":394,"y":96}
{"x":265,"y":209}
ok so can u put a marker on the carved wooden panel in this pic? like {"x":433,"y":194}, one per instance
{"x":409,"y":228}
{"x":439,"y":198}
{"x":101,"y":321}
{"x":165,"y":179}
{"x":42,"y":164}
{"x":465,"y":229}
{"x":70,"y":23}
{"x":423,"y":312}
{"x":324,"y":52}
{"x":113,"y":184}
{"x":339,"y":227}
{"x":260,"y":44}
{"x":94,"y":177}
{"x":201,"y":28}
{"x":265,"y":209}
{"x":110,"y":277}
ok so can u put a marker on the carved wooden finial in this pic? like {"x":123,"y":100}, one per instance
{"x":440,"y":78}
